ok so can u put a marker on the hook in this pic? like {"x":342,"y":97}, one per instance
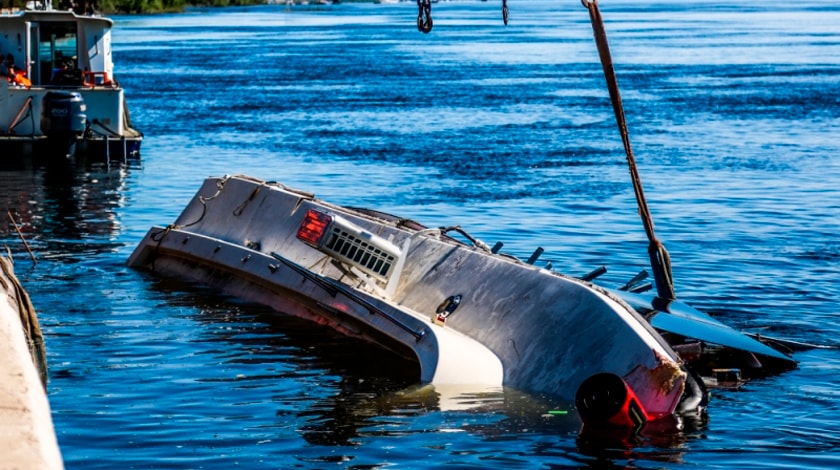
{"x":424,"y":15}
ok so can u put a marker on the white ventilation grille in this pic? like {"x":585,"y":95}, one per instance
{"x":349,"y":243}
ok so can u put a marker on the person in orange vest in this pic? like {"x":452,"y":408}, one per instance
{"x":14,"y":74}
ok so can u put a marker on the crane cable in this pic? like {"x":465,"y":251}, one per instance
{"x":660,"y":261}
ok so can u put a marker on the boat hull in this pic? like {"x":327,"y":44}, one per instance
{"x":94,"y":148}
{"x":515,"y":324}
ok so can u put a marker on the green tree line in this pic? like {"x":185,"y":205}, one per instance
{"x":152,"y":6}
{"x":132,"y":6}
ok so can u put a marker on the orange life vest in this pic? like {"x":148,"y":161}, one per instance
{"x":20,"y":79}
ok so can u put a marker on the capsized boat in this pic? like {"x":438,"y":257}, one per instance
{"x":466,"y":313}
{"x":61,"y":97}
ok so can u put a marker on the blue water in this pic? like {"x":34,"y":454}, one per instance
{"x":733,"y":110}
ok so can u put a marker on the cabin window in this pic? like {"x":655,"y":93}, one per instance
{"x":57,"y":49}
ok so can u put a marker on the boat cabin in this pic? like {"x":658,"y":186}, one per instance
{"x":61,"y":97}
{"x":58,"y":48}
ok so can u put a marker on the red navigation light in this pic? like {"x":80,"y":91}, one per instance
{"x":313,"y":227}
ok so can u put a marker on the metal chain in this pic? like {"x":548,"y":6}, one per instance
{"x":424,"y":15}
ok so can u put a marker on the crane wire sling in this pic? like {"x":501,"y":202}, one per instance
{"x":660,"y":261}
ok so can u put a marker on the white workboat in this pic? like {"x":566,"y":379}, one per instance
{"x":61,"y":98}
{"x":465,"y":313}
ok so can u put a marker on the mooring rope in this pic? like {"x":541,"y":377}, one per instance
{"x":19,"y":117}
{"x":102,"y":125}
{"x":220,"y":185}
{"x":28,"y":317}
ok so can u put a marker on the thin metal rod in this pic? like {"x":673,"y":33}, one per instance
{"x":20,"y":234}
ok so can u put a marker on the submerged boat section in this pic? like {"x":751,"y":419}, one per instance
{"x":463,"y":312}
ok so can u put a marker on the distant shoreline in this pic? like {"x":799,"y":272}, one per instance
{"x":124,"y":7}
{"x":143,"y":7}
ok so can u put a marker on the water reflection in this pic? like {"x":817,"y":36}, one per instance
{"x":63,"y":207}
{"x":339,"y":394}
